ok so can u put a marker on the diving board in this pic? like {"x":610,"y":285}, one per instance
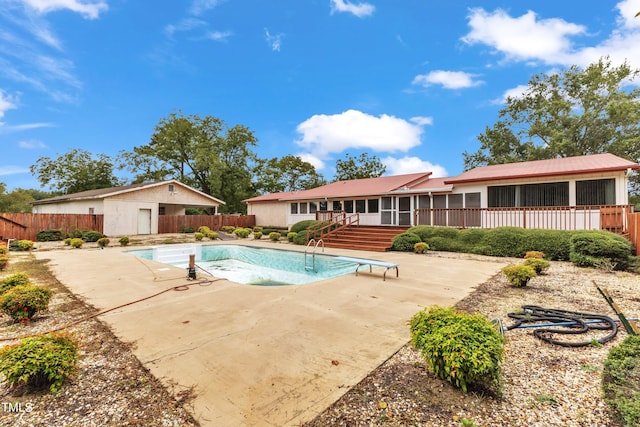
{"x":371,"y":263}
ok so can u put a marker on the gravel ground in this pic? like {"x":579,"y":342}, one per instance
{"x":544,"y":385}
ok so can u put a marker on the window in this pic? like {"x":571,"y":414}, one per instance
{"x":162,"y":210}
{"x":596,"y":192}
{"x":361,"y":206}
{"x":472,"y":217}
{"x":91,"y":211}
{"x":294,"y":208}
{"x":348,"y":206}
{"x":337,"y":206}
{"x":323,"y":205}
{"x":502,"y":196}
{"x":313,"y":207}
{"x":545,"y":194}
{"x":303,"y":207}
{"x":373,"y":206}
{"x":424,"y":202}
{"x":171,"y":188}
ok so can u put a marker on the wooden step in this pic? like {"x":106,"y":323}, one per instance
{"x":366,"y":238}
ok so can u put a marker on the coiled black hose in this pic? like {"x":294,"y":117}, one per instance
{"x":572,"y":321}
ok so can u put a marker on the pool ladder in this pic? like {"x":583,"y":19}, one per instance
{"x":313,"y":253}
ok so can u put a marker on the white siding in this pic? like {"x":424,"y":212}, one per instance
{"x":74,"y":207}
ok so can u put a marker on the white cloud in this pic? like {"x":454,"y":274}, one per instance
{"x":412,"y":164}
{"x":628,"y":10}
{"x":7,"y":102}
{"x":360,"y":9}
{"x":448,"y":79}
{"x":12,"y":170}
{"x":310,"y":158}
{"x":515,"y":93}
{"x":274,"y":40}
{"x":4,"y":129}
{"x":422,"y":121}
{"x":523,"y":38}
{"x":30,"y":145}
{"x":198,"y":7}
{"x":219,"y":36}
{"x":186,"y":24}
{"x":323,"y":134}
{"x":88,"y":9}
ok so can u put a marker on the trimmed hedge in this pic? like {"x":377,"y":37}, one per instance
{"x":621,"y":381}
{"x":303,"y":225}
{"x":593,"y":248}
{"x":405,"y":242}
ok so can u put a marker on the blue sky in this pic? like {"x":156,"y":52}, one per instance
{"x":413,"y":82}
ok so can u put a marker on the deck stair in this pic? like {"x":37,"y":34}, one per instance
{"x":364,"y":238}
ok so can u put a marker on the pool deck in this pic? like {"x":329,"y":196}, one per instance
{"x":264,"y":356}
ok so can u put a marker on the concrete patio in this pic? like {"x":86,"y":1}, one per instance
{"x":264,"y":356}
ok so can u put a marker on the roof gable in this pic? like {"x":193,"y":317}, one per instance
{"x":604,"y":162}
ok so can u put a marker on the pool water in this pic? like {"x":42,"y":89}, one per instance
{"x":252,"y":265}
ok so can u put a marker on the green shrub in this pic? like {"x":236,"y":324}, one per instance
{"x":198,"y":236}
{"x":91,"y":236}
{"x":420,"y":247}
{"x":593,"y":248}
{"x":405,"y":241}
{"x":621,"y":381}
{"x":212,"y":235}
{"x":257,"y":235}
{"x":256,"y":228}
{"x":204,"y":230}
{"x":124,"y":241}
{"x":426,"y":232}
{"x":505,"y":242}
{"x":23,"y":302}
{"x":519,"y":275}
{"x":4,"y":261}
{"x":186,"y":230}
{"x":45,"y":360}
{"x":242,"y":233}
{"x":471,"y":237}
{"x":228,"y":228}
{"x":443,"y":244}
{"x":555,"y":244}
{"x":301,"y":238}
{"x":275,"y":236}
{"x":21,"y":245}
{"x":13,"y":280}
{"x":461,"y":348}
{"x":4,"y":250}
{"x":291,"y":235}
{"x":49,"y":236}
{"x":68,"y":240}
{"x":76,"y":242}
{"x":303,"y":225}
{"x":538,"y":264}
{"x":103,"y":242}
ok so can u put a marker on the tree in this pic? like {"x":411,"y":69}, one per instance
{"x":198,"y":151}
{"x":75,"y":171}
{"x":360,"y":167}
{"x":19,"y":200}
{"x":288,"y":173}
{"x":576,"y":112}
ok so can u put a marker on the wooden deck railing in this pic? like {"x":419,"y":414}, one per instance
{"x":612,"y":218}
{"x":340,"y":221}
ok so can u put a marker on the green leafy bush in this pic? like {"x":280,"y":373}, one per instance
{"x":4,"y":250}
{"x":45,"y":360}
{"x":472,"y":237}
{"x":538,"y":264}
{"x":204,"y":230}
{"x":300,"y":239}
{"x":426,"y":232}
{"x":4,"y":261}
{"x":438,"y":243}
{"x":405,"y":241}
{"x":257,"y":235}
{"x":291,"y":235}
{"x":124,"y":241}
{"x":519,"y":275}
{"x":186,"y":230}
{"x":593,"y":248}
{"x":505,"y":242}
{"x":256,"y":228}
{"x":198,"y":236}
{"x":242,"y":233}
{"x":621,"y":381}
{"x":212,"y":235}
{"x":91,"y":236}
{"x":274,"y":236}
{"x":21,"y":245}
{"x":534,"y":254}
{"x":16,"y":279}
{"x":76,"y":242}
{"x":420,"y":247}
{"x":49,"y":235}
{"x":303,"y":225}
{"x":228,"y":228}
{"x":461,"y":348}
{"x":103,"y":242}
{"x":68,"y":240}
{"x":23,"y":302}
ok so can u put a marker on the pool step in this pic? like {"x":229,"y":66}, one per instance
{"x":172,"y":254}
{"x":365,"y":238}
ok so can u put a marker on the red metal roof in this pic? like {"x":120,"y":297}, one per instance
{"x":352,"y":188}
{"x":562,"y":166}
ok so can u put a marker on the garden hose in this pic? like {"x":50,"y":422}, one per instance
{"x":572,"y":322}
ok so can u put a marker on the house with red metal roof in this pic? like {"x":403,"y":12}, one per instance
{"x":584,"y":192}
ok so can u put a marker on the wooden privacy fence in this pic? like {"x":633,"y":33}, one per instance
{"x":179,"y":223}
{"x":633,"y":220}
{"x":25,"y":226}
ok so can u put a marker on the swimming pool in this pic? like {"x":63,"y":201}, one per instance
{"x":251,"y":265}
